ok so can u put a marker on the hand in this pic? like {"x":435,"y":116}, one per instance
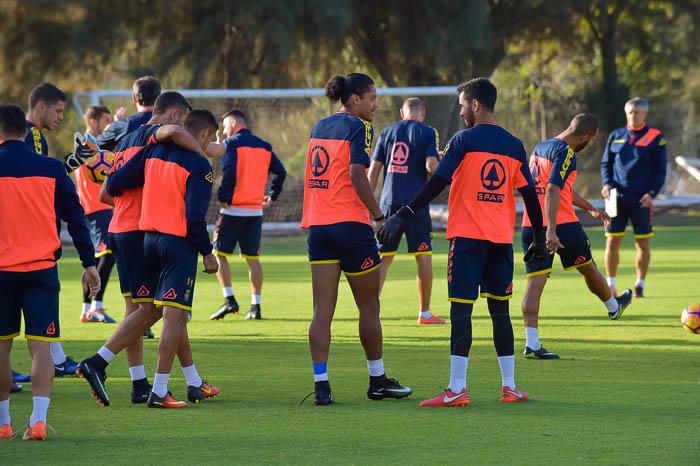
{"x":378,"y":224}
{"x":391,"y":228}
{"x":605,"y":192}
{"x":120,"y":114}
{"x":646,"y":201}
{"x":553,"y":243}
{"x":267,"y":202}
{"x":211,"y":265}
{"x":219,"y":137}
{"x":601,"y":215}
{"x":224,"y":205}
{"x":91,"y":281}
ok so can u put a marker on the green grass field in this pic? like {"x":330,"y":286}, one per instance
{"x":623,"y":393}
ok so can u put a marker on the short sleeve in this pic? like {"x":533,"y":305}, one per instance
{"x":455,"y":150}
{"x":524,"y":176}
{"x":564,"y":163}
{"x":361,"y":143}
{"x":432,"y":147}
{"x":379,"y":154}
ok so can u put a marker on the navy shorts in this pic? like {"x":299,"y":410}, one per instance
{"x":419,"y":234}
{"x":245,"y":231}
{"x":350,"y":244}
{"x":576,"y":252}
{"x":171,"y":265}
{"x":479,"y":268}
{"x":131,"y":265}
{"x":98,"y":224}
{"x":629,"y":210}
{"x":34,"y":294}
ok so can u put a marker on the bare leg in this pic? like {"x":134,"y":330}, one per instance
{"x":324,"y":280}
{"x":132,"y":327}
{"x":184,"y":350}
{"x":643,"y":246}
{"x":5,"y":369}
{"x":595,"y":281}
{"x":134,"y":352}
{"x":424,"y":280}
{"x":42,"y":368}
{"x":612,"y":254}
{"x":174,"y":321}
{"x":531,"y":299}
{"x":255,"y":275}
{"x":224,"y":273}
{"x":365,"y":289}
{"x":384,"y":270}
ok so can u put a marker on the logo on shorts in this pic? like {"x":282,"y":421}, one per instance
{"x":210,"y":177}
{"x":368,"y":262}
{"x":449,"y":262}
{"x":509,"y":289}
{"x":399,"y":157}
{"x":423,"y":246}
{"x":143,"y":291}
{"x":51,"y":329}
{"x":101,"y":247}
{"x":493,"y":176}
{"x":170,"y":294}
{"x":580,"y":260}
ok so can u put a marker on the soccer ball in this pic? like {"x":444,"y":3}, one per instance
{"x":98,"y":165}
{"x":691,"y":318}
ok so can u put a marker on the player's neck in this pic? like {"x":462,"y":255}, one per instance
{"x":485,"y":118}
{"x":564,"y":137}
{"x":142,"y":109}
{"x":32,"y":119}
{"x":92,"y":132}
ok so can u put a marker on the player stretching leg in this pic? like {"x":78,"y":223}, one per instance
{"x":338,"y":205}
{"x":553,"y":167}
{"x":485,"y":164}
{"x":246,"y":163}
{"x":34,"y":192}
{"x":408,"y":152}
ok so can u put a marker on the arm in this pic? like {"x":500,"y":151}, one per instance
{"x":197,"y":195}
{"x":432,"y":155}
{"x":375,"y":169}
{"x":105,"y":197}
{"x":358,"y":176}
{"x":72,"y":213}
{"x":551,"y":207}
{"x":660,"y":162}
{"x":582,"y":203}
{"x":277,"y":169}
{"x":218,"y":148}
{"x":430,"y":165}
{"x":229,"y":178}
{"x":129,"y":176}
{"x":179,"y":136}
{"x":112,"y":133}
{"x":606,"y":168}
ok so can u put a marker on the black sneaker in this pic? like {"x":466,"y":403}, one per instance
{"x":149,"y":333}
{"x":623,"y":301}
{"x":323,"y":394}
{"x":383,"y":387}
{"x":254,"y":312}
{"x":638,"y":291}
{"x":15,"y":387}
{"x":167,"y":402}
{"x":539,"y":354}
{"x":96,"y":377}
{"x":140,"y":391}
{"x":204,"y":391}
{"x":229,"y":307}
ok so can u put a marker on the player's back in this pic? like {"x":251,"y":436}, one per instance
{"x":553,"y":161}
{"x":486,"y":164}
{"x":167,"y":175}
{"x":127,"y":206}
{"x":251,"y":156}
{"x":403,"y":148}
{"x":329,"y":196}
{"x":88,"y":192}
{"x":116,"y":131}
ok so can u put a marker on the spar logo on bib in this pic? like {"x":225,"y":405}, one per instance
{"x":320,"y":161}
{"x":493,"y":176}
{"x":399,"y":157}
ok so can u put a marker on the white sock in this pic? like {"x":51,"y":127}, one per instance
{"x":532,"y":338}
{"x":137,"y":372}
{"x":5,"y":412}
{"x":160,"y":384}
{"x":86,"y":307}
{"x":41,"y":406}
{"x":640,"y":282}
{"x":227,"y":291}
{"x":254,"y":299}
{"x":427,"y":314}
{"x":96,"y":305}
{"x":612,"y":282}
{"x":611,"y":305}
{"x":57,"y":354}
{"x":106,"y":354}
{"x":192,"y":376}
{"x":321,"y":377}
{"x":507,"y":364}
{"x":376,"y":368}
{"x":458,"y":373}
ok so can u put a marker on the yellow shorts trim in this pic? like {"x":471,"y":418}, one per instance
{"x":578,"y":265}
{"x":127,"y":295}
{"x":249,"y":257}
{"x":364,"y":272}
{"x":647,"y":235}
{"x":421,"y":253}
{"x":35,"y":337}
{"x":142,"y":300}
{"x":170,"y":303}
{"x":102,"y":253}
{"x":493,"y":296}
{"x":539,"y":272}
{"x":388,"y":254}
{"x":12,"y":336}
{"x":329,"y":261}
{"x":219,"y":253}
{"x":460,"y":300}
{"x":615,"y":235}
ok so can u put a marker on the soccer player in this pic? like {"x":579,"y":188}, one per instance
{"x":339,"y":207}
{"x":247,"y":161}
{"x":553,"y":167}
{"x":145,"y":91}
{"x":34,"y":192}
{"x":46,"y":106}
{"x":407,"y":151}
{"x":634,"y":162}
{"x":98,"y":215}
{"x":127,"y":243}
{"x":484,"y":164}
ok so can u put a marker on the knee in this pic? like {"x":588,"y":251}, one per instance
{"x":643,"y":246}
{"x":498,"y":307}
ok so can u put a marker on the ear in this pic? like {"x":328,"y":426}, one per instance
{"x":401,"y":113}
{"x":134,"y":99}
{"x":476,"y":106}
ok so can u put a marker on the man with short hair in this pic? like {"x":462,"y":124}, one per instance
{"x":97,"y":215}
{"x":634,"y":163}
{"x":246,"y":162}
{"x":35,"y":192}
{"x":553,"y":167}
{"x":408,"y":152}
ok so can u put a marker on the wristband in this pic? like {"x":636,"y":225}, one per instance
{"x":380,"y":218}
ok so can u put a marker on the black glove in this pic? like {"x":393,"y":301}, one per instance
{"x":81,"y":153}
{"x":395,"y":225}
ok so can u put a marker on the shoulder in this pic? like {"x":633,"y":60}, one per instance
{"x":260,"y":142}
{"x":618,"y":132}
